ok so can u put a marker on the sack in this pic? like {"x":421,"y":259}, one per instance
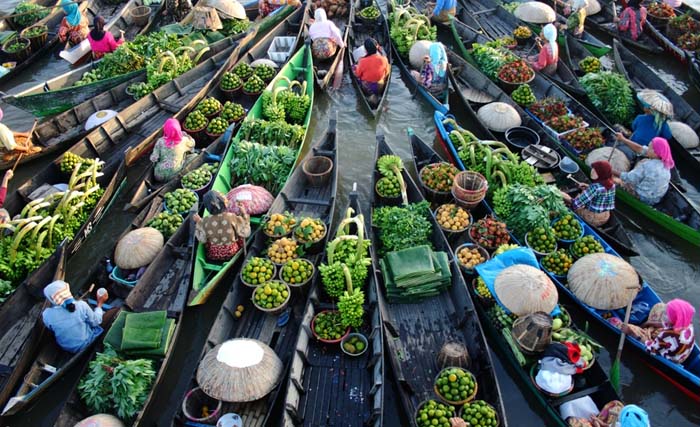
{"x":254,"y":200}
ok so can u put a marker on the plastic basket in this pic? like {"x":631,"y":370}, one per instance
{"x":281,"y":48}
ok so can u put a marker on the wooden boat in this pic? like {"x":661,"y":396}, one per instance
{"x":592,"y":382}
{"x":379,"y":31}
{"x":301,"y":200}
{"x":437,"y":98}
{"x":415,"y":333}
{"x":207,"y":275}
{"x":694,"y":71}
{"x":325,"y":70}
{"x":466,"y":77}
{"x":321,"y":375}
{"x":603,"y":22}
{"x":149,"y":186}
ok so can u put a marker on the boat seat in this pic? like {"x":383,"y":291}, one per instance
{"x":581,"y":393}
{"x":212,"y":267}
{"x":303,"y":201}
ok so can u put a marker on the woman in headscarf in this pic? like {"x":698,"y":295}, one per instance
{"x":596,"y":200}
{"x":222,"y":232}
{"x":74,"y":26}
{"x":170,"y":151}
{"x":548,"y":57}
{"x":632,"y":19}
{"x":645,"y":127}
{"x":372,"y":69}
{"x":434,"y":71}
{"x":577,"y":18}
{"x":10,"y":144}
{"x":444,"y":11}
{"x":668,"y":331}
{"x":266,"y":7}
{"x":74,"y":324}
{"x":650,"y":178}
{"x":4,"y":215}
{"x":101,"y":41}
{"x":325,"y":36}
{"x":614,"y":414}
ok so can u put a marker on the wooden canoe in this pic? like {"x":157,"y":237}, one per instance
{"x":149,"y":186}
{"x":301,"y":200}
{"x":603,"y":22}
{"x":694,"y":72}
{"x":207,"y":275}
{"x":467,"y":77}
{"x":379,"y":31}
{"x":416,"y":332}
{"x":325,"y":70}
{"x":321,"y":374}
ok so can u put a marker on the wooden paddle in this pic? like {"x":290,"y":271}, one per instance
{"x":615,"y":368}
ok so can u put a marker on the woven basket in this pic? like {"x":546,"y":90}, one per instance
{"x":532,"y":332}
{"x":469,"y":188}
{"x":139,"y":15}
{"x":36,"y":41}
{"x":456,"y":402}
{"x":317,"y":170}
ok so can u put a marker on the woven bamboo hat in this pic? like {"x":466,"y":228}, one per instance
{"x":603,"y":281}
{"x":206,"y":18}
{"x":227,"y":9}
{"x":524,"y":289}
{"x":684,"y":134}
{"x":138,"y":248}
{"x":239,"y":370}
{"x":535,"y":12}
{"x":656,"y":101}
{"x":618,"y":160}
{"x":499,"y":116}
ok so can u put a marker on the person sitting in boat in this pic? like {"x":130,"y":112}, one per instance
{"x":645,"y":127}
{"x":170,"y":151}
{"x":577,"y":17}
{"x":14,"y":143}
{"x":177,"y":9}
{"x":372,"y":69}
{"x":74,"y":26}
{"x":597,"y":199}
{"x":632,"y":19}
{"x":325,"y":36}
{"x":434,"y":72}
{"x":444,"y":11}
{"x":74,"y":324}
{"x":266,"y":7}
{"x":4,"y":214}
{"x":101,"y":41}
{"x":548,"y":57}
{"x":613,"y":414}
{"x":650,"y":178}
{"x":222,"y":232}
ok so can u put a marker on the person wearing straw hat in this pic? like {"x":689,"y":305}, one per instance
{"x":74,"y":324}
{"x":222,"y":232}
{"x":10,"y":145}
{"x":548,"y":57}
{"x":101,"y":41}
{"x":654,"y":122}
{"x":597,"y":200}
{"x":170,"y":151}
{"x":650,"y":179}
{"x":577,"y":17}
{"x":632,"y":19}
{"x":74,"y":26}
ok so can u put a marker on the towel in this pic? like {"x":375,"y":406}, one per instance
{"x":143,"y":330}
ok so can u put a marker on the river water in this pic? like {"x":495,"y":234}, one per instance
{"x":668,"y":264}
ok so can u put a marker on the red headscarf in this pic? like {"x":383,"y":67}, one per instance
{"x":604,"y":171}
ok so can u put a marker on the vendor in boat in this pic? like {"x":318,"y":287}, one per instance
{"x":597,"y":200}
{"x":101,"y":41}
{"x":372,"y":69}
{"x":614,"y":414}
{"x":170,"y":151}
{"x":266,"y":7}
{"x":222,"y":232}
{"x":74,"y":324}
{"x":177,"y":9}
{"x":4,"y":214}
{"x":325,"y":36}
{"x":74,"y":26}
{"x":645,"y":127}
{"x":434,"y":72}
{"x":577,"y":17}
{"x":668,"y":331}
{"x":14,"y":143}
{"x":548,"y":57}
{"x":650,"y":178}
{"x":632,"y":19}
{"x":444,"y":11}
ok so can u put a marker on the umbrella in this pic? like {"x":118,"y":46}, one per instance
{"x":656,"y":101}
{"x":499,"y":116}
{"x":524,"y":289}
{"x":603,"y":281}
{"x":535,"y":12}
{"x":239,"y":370}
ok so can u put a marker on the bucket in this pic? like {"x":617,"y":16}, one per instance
{"x":520,"y":137}
{"x":195,"y":400}
{"x":139,"y":15}
{"x":469,"y":188}
{"x":317,"y":170}
{"x":21,"y":54}
{"x":37,"y":41}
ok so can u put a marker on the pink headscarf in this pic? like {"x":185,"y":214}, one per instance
{"x":172,"y":132}
{"x":1,"y":114}
{"x":663,"y":151}
{"x":680,"y":313}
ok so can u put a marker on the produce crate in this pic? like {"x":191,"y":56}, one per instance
{"x":537,"y":119}
{"x":558,"y":135}
{"x":281,"y":48}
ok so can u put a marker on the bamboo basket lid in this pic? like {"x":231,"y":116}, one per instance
{"x":603,"y":281}
{"x":656,"y":101}
{"x":524,"y":289}
{"x":138,"y":248}
{"x":499,"y":116}
{"x":535,"y":12}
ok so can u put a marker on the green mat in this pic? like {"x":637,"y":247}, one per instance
{"x":115,"y":333}
{"x":143,"y":330}
{"x":422,"y":282}
{"x":410,"y":263}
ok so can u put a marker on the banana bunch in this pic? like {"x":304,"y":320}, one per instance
{"x":350,"y":307}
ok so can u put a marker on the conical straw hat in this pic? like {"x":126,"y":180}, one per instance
{"x":206,"y":18}
{"x":228,"y":9}
{"x":684,"y":134}
{"x":524,"y":289}
{"x":138,"y":248}
{"x":239,"y":370}
{"x":535,"y":12}
{"x":656,"y":101}
{"x":499,"y":116}
{"x":618,"y":160}
{"x":603,"y":281}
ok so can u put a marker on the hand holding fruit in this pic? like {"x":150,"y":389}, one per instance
{"x":458,"y":422}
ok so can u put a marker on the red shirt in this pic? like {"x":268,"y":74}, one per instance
{"x":373,"y":68}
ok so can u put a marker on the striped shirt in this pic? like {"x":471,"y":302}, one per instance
{"x":596,"y":198}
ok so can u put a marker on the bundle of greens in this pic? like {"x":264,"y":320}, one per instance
{"x":407,"y":25}
{"x":415,"y":272}
{"x":525,"y":208}
{"x":264,"y":165}
{"x":232,"y":27}
{"x":272,"y":133}
{"x":29,"y":13}
{"x":490,"y":57}
{"x":402,"y":227}
{"x":612,"y":94}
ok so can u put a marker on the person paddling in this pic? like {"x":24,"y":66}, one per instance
{"x":74,"y":26}
{"x":372,"y":69}
{"x":650,"y":179}
{"x":597,"y":200}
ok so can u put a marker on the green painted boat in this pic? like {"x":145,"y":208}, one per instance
{"x":207,"y":275}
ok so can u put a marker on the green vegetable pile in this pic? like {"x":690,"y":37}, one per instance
{"x":230,"y":81}
{"x":271,"y":295}
{"x":558,"y":262}
{"x":479,"y":414}
{"x":180,"y":200}
{"x":264,"y":71}
{"x":371,"y":13}
{"x":116,"y":385}
{"x":295,"y":104}
{"x":490,"y":57}
{"x":455,"y":384}
{"x":272,"y":133}
{"x":264,"y":165}
{"x":296,"y":272}
{"x":391,"y":184}
{"x":611,"y":93}
{"x":586,"y":245}
{"x":523,"y":95}
{"x":36,"y":31}
{"x":231,"y":27}
{"x":589,"y":64}
{"x":542,"y":240}
{"x":15,"y":46}
{"x":209,"y":106}
{"x":196,"y":179}
{"x":354,"y":345}
{"x":195,"y":121}
{"x":166,"y":223}
{"x":257,"y":271}
{"x":434,"y":414}
{"x":500,"y":318}
{"x":524,"y":208}
{"x":243,"y":70}
{"x":567,"y":228}
{"x":254,"y":84}
{"x":407,"y":25}
{"x":402,"y":227}
{"x":329,"y":326}
{"x":30,"y":13}
{"x":217,"y":126}
{"x":70,"y":161}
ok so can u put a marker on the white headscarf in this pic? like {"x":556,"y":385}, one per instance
{"x":57,"y":292}
{"x":578,"y":4}
{"x":323,"y":28}
{"x":550,"y":33}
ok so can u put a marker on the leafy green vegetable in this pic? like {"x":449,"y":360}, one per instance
{"x":234,"y":26}
{"x":29,"y":13}
{"x":406,"y":26}
{"x":402,"y":227}
{"x":612,"y":94}
{"x":490,"y":57}
{"x":272,"y":133}
{"x":525,"y":208}
{"x":266,"y":166}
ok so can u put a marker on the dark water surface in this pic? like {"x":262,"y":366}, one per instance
{"x":669,"y":265}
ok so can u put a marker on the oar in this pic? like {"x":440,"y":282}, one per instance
{"x":615,"y":368}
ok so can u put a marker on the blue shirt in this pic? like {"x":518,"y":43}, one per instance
{"x":644,"y":129}
{"x":650,"y":180}
{"x":74,"y":331}
{"x":444,"y":5}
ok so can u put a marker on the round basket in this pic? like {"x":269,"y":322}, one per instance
{"x":498,"y":419}
{"x":39,"y":40}
{"x":477,"y":243}
{"x":251,"y":96}
{"x":569,"y":241}
{"x":658,"y":21}
{"x":447,"y":231}
{"x":425,"y":402}
{"x":522,"y":41}
{"x":539,"y":254}
{"x":533,"y":374}
{"x":19,"y":55}
{"x":433,"y":195}
{"x":231,"y":94}
{"x":199,"y":134}
{"x":469,"y":188}
{"x":299,"y":285}
{"x":568,"y":316}
{"x":315,"y":246}
{"x":139,"y":15}
{"x":358,"y":335}
{"x":510,"y":87}
{"x":277,"y":309}
{"x":214,"y":114}
{"x":313,"y":330}
{"x":193,"y":403}
{"x":250,"y":285}
{"x":482,"y":251}
{"x":201,"y":190}
{"x":275,"y":236}
{"x":557,"y":276}
{"x":520,"y":137}
{"x":317,"y":170}
{"x":212,"y":136}
{"x":389,"y":201}
{"x":183,"y":214}
{"x":486,"y":302}
{"x":456,"y":402}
